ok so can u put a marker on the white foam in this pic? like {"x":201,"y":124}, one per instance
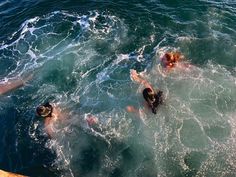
{"x":121,"y":57}
{"x":32,"y":54}
{"x":4,"y":2}
{"x":182,"y":88}
{"x":84,"y":23}
{"x":185,"y":38}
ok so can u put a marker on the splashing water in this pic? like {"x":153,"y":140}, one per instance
{"x":80,"y":63}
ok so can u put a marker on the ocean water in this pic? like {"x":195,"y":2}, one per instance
{"x":81,"y":54}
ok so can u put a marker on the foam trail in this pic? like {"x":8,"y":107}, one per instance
{"x":196,"y":123}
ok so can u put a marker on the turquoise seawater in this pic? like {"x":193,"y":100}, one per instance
{"x":81,"y":53}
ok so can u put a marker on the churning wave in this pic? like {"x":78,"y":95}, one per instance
{"x":79,"y":61}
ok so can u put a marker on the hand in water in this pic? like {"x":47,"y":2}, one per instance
{"x":131,"y":109}
{"x":134,"y":75}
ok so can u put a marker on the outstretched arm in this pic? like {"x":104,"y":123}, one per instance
{"x":13,"y":84}
{"x":136,"y":77}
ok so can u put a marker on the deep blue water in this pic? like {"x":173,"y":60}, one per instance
{"x":81,"y":54}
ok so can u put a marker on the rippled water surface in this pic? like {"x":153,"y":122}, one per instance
{"x":81,"y":54}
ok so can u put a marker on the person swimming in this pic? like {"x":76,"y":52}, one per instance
{"x":45,"y":110}
{"x":170,"y":59}
{"x":154,"y":99}
{"x":51,"y":113}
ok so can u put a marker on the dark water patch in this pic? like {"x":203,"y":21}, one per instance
{"x":56,"y":73}
{"x":8,"y":134}
{"x":194,"y":160}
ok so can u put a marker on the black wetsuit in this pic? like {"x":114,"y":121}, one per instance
{"x":158,"y":100}
{"x":153,"y":100}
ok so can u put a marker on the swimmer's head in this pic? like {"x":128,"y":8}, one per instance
{"x":168,"y":57}
{"x":167,"y":60}
{"x":44,"y":110}
{"x":153,"y":99}
{"x":171,"y":58}
{"x":148,"y":95}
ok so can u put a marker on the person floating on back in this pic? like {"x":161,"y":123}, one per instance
{"x":152,"y":97}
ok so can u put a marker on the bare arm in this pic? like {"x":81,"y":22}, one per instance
{"x":13,"y":84}
{"x":134,"y":110}
{"x":139,"y":113}
{"x":48,"y":126}
{"x":136,"y":77}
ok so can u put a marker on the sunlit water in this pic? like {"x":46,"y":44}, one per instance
{"x":81,"y":58}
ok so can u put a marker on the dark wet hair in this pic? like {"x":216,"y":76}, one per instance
{"x":44,"y":110}
{"x":168,"y":57}
{"x":147,"y":93}
{"x":153,"y":99}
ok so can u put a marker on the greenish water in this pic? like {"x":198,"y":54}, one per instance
{"x":81,"y":54}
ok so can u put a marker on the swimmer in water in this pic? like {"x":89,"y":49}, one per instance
{"x":11,"y":85}
{"x":91,"y":120}
{"x":170,"y":59}
{"x":152,"y":97}
{"x":51,"y":114}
